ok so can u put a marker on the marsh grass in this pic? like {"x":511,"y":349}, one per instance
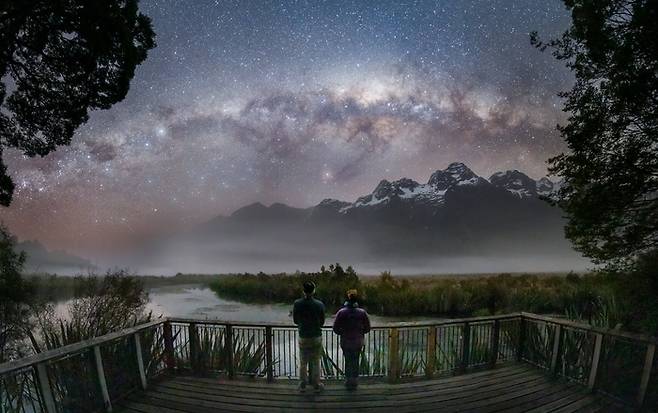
{"x":18,"y":393}
{"x":428,"y":296}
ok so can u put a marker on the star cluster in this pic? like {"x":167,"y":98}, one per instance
{"x":294,"y":102}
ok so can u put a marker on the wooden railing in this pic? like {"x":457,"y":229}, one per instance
{"x":95,"y":374}
{"x":620,"y":364}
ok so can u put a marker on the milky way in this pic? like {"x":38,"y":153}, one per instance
{"x":295,"y":102}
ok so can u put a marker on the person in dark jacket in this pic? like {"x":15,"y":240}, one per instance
{"x":308,"y":315}
{"x":351,"y":324}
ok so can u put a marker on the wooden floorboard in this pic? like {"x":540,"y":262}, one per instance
{"x":513,"y":388}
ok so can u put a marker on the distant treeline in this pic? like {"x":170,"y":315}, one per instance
{"x":599,"y":298}
{"x":53,"y":287}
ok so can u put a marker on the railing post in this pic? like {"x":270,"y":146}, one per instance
{"x":46,"y":389}
{"x":557,"y":344}
{"x":596,"y":356}
{"x":466,"y":346}
{"x":194,"y":347}
{"x":140,"y":360}
{"x":646,"y":373}
{"x":430,"y":366}
{"x":523,"y":331}
{"x":230,"y":366}
{"x":269,"y":364}
{"x":101,"y":379}
{"x":168,"y":337}
{"x":495,"y":338}
{"x":393,"y":355}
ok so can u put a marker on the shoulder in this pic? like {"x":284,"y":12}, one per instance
{"x":318,"y":302}
{"x":298,"y":302}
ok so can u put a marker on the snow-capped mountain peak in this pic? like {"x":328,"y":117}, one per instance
{"x":408,"y":190}
{"x":333,"y":203}
{"x":515,"y":182}
{"x":455,"y":174}
{"x":545,"y":187}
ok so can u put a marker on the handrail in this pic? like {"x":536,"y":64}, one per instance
{"x":473,"y":333}
{"x":75,"y":347}
{"x":400,"y":324}
{"x":642,"y":338}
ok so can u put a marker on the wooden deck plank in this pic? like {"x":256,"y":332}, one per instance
{"x":333,"y":392}
{"x":356,"y":400}
{"x":558,"y":404}
{"x":513,"y":388}
{"x":309,"y":400}
{"x":263,"y":387}
{"x":452,"y":402}
{"x":525,"y":402}
{"x":584,"y":403}
{"x":261,"y":384}
{"x":521,"y":405}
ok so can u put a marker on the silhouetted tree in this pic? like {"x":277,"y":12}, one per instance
{"x":58,"y":60}
{"x":610,"y":191}
{"x":15,"y":295}
{"x":338,"y":271}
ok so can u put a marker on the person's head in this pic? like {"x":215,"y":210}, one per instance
{"x":352,"y":296}
{"x":309,"y":288}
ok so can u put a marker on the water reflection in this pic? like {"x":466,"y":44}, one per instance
{"x":198,"y":301}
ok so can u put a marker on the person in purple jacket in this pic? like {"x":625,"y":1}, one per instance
{"x":351,"y":324}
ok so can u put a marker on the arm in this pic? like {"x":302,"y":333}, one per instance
{"x":338,"y":323}
{"x":295,"y":314}
{"x":366,"y":323}
{"x":322,"y":316}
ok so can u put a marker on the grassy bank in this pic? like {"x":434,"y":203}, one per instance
{"x":429,"y":295}
{"x":599,"y":298}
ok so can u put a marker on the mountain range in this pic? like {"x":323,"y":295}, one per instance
{"x":455,"y":220}
{"x":39,"y":259}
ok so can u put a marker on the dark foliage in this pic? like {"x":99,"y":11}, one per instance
{"x":611,"y":169}
{"x":58,"y":60}
{"x":101,"y":305}
{"x":584,"y":296}
{"x":332,"y":284}
{"x":15,"y":296}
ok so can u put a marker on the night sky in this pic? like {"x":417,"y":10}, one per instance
{"x":294,"y":102}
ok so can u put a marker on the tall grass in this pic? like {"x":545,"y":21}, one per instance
{"x":430,"y":296}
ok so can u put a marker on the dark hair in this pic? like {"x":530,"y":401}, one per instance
{"x":309,"y":287}
{"x":352,"y":295}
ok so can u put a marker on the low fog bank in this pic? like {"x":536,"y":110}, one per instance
{"x":443,"y":266}
{"x":282,"y":248}
{"x":274,"y":257}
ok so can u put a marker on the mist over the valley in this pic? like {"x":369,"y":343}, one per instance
{"x":457,"y":222}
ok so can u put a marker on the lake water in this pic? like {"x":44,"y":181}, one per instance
{"x":197,"y":301}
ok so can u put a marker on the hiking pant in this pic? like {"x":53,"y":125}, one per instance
{"x":310,"y":351}
{"x":351,"y":363}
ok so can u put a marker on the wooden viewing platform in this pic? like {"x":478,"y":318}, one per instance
{"x":514,"y":362}
{"x":514,"y":388}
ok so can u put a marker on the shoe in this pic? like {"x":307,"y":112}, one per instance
{"x":318,"y":387}
{"x":351,"y":384}
{"x":302,"y":387}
